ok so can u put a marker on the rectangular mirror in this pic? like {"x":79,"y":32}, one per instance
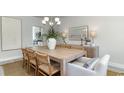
{"x":78,"y":33}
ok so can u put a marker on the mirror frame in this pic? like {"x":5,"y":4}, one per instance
{"x":84,"y":33}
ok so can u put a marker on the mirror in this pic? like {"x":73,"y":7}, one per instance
{"x":78,"y":33}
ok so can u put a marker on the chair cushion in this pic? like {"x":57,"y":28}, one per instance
{"x":45,"y":68}
{"x":78,"y":63}
{"x":32,"y":61}
{"x":88,"y":63}
{"x":83,"y":59}
{"x":91,"y":63}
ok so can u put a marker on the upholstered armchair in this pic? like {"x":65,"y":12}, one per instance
{"x":97,"y":68}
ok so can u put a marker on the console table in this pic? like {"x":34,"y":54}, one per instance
{"x":92,"y":51}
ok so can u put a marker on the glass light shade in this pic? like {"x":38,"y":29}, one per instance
{"x":46,"y":18}
{"x":64,"y":34}
{"x":51,"y":23}
{"x":43,"y":22}
{"x":93,"y":34}
{"x":56,"y":19}
{"x":58,"y":23}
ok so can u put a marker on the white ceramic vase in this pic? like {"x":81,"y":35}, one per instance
{"x":51,"y":43}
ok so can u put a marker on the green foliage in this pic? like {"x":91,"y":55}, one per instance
{"x":51,"y":34}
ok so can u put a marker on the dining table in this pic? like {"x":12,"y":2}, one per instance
{"x":61,"y":55}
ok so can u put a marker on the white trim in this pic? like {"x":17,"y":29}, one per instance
{"x":10,"y":60}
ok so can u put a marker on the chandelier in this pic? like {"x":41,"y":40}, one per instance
{"x":52,"y":21}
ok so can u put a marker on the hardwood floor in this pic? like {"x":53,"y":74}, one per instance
{"x":112,"y":73}
{"x":16,"y":69}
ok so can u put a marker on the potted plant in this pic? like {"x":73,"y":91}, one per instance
{"x":51,"y":37}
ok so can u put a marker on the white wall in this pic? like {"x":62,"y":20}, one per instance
{"x":110,"y":33}
{"x":27,"y":23}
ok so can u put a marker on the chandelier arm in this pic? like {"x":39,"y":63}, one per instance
{"x":54,"y":24}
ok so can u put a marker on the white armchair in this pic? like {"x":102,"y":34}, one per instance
{"x":97,"y":69}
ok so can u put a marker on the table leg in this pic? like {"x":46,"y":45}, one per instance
{"x":63,"y":68}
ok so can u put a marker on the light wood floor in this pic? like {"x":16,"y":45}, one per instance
{"x":16,"y":69}
{"x":112,"y":73}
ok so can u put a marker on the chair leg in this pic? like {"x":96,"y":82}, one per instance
{"x":23,"y":63}
{"x":29,"y":68}
{"x":35,"y":72}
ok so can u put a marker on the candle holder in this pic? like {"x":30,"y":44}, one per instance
{"x":93,"y":35}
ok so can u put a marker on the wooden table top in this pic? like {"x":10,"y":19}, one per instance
{"x":60,"y":53}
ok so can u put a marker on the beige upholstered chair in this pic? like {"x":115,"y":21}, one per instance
{"x":25,"y":58}
{"x":32,"y":60}
{"x":45,"y":66}
{"x":97,"y":68}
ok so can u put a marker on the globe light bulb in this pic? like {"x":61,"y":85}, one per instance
{"x":56,"y":19}
{"x":58,"y":23}
{"x":51,"y":23}
{"x":43,"y":22}
{"x":46,"y":18}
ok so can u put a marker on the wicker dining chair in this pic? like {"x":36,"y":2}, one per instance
{"x":45,"y":66}
{"x":25,"y":58}
{"x":32,"y":60}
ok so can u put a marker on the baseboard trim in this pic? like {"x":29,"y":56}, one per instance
{"x":10,"y":60}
